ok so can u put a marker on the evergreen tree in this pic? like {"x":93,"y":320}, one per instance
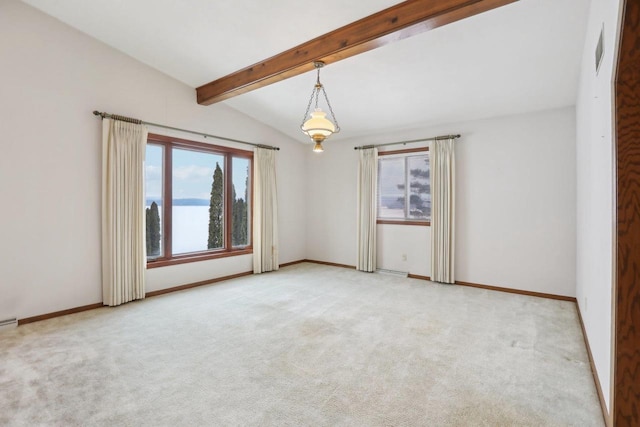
{"x":246,"y":187}
{"x":419,"y":184}
{"x":153,"y":230}
{"x":247,"y":206}
{"x":244,"y":210}
{"x":239,"y":220}
{"x":235,"y":226}
{"x":216,"y":204}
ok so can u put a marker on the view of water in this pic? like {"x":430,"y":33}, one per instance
{"x":392,"y":202}
{"x":190,"y":228}
{"x":191,"y":224}
{"x":391,"y":207}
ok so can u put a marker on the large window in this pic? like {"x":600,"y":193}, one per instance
{"x":404,"y":190}
{"x":197,"y":201}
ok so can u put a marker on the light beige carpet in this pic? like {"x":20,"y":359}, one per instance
{"x":308,"y":345}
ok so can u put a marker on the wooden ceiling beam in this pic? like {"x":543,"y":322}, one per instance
{"x":403,"y":20}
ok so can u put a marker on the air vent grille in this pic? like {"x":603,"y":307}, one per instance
{"x":8,"y":323}
{"x":393,"y":272}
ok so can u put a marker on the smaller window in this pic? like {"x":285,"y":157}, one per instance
{"x":154,"y":180}
{"x":404,"y":187}
{"x":241,"y":199}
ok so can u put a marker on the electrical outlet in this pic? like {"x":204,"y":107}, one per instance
{"x":404,"y":257}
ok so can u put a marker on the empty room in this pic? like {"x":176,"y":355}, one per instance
{"x":368,"y":213}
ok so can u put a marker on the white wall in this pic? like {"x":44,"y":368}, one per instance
{"x":595,"y":187}
{"x":395,"y":241}
{"x":331,"y":213}
{"x":331,"y":203}
{"x":515,"y":204}
{"x":53,"y":77}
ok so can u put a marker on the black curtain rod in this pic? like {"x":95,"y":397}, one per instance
{"x":435,"y":138}
{"x":206,"y":135}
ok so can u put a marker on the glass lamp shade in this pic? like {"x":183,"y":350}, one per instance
{"x":318,"y":148}
{"x":318,"y":127}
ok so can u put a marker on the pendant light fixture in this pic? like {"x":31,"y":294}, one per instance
{"x":318,"y":127}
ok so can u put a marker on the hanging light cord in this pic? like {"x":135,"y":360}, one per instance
{"x":318,"y":85}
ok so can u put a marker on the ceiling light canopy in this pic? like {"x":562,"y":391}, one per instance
{"x":318,"y":127}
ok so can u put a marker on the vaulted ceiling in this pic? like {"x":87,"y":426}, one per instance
{"x":522,"y":57}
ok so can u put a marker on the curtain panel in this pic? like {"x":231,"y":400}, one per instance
{"x":265,"y":214}
{"x":443,"y":210}
{"x":123,"y":217}
{"x":367,"y":214}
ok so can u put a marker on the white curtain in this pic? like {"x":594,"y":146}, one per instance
{"x":265,"y":212}
{"x":123,"y":219}
{"x":443,"y":165}
{"x":367,"y":201}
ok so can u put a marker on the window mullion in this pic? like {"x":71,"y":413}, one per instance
{"x":250,"y":191}
{"x":406,"y":188}
{"x":168,"y":200}
{"x":228,"y":203}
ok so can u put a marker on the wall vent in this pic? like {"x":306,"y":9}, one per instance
{"x":8,"y":323}
{"x":393,"y":272}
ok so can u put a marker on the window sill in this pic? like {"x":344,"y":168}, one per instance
{"x":402,"y":222}
{"x":183,"y":259}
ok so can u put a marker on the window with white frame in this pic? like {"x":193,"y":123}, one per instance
{"x":404,"y":187}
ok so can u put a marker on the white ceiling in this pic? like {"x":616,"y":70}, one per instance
{"x":522,"y":57}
